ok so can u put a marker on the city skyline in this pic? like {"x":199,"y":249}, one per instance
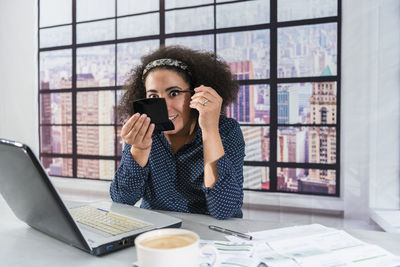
{"x":302,"y":51}
{"x":257,"y":138}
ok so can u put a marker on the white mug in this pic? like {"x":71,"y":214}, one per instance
{"x":170,"y":247}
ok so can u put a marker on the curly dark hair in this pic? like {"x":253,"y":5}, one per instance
{"x":205,"y":67}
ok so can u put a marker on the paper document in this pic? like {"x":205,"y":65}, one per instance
{"x":309,"y":245}
{"x":235,"y":254}
{"x":298,"y":246}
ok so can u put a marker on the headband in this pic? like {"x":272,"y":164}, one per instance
{"x":163,"y":62}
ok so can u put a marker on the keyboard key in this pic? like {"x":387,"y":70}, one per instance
{"x":105,"y":221}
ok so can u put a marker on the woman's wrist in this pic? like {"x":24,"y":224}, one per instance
{"x":210,"y":134}
{"x":141,"y":156}
{"x":212,"y":146}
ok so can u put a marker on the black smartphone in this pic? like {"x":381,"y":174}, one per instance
{"x":156,"y":109}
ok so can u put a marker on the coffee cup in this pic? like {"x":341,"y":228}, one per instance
{"x":171,"y":247}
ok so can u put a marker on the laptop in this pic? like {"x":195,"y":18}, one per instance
{"x":97,"y":228}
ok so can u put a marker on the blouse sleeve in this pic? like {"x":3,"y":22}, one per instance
{"x":128,"y":184}
{"x":225,"y":198}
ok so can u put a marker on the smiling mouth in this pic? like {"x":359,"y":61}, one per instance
{"x":172,"y":117}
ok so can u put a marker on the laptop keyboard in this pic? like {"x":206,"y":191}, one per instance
{"x":105,"y":221}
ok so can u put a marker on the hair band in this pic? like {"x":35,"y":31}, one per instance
{"x":166,"y":62}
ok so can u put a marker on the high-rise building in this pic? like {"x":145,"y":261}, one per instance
{"x":256,"y":177}
{"x":280,"y":181}
{"x":265,"y":144}
{"x":253,"y":138}
{"x":288,"y":105}
{"x":253,"y":177}
{"x":287,"y":149}
{"x":322,"y":140}
{"x":66,"y":118}
{"x":56,"y":108}
{"x":283,"y":107}
{"x":323,"y":101}
{"x":87,"y":137}
{"x":265,"y":179}
{"x":45,"y":117}
{"x":95,"y":107}
{"x":262,"y":104}
{"x":243,"y":109}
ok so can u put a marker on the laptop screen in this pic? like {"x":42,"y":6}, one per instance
{"x":29,"y":192}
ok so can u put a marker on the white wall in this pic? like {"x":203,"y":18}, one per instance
{"x":370,"y":105}
{"x":370,"y":128}
{"x":385,"y":119}
{"x":18,"y":72}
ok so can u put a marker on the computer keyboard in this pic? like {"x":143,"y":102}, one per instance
{"x":105,"y":221}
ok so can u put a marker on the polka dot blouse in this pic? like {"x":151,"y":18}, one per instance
{"x":175,"y":181}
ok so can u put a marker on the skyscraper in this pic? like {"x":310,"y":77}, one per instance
{"x":288,"y":104}
{"x":283,"y":106}
{"x":322,"y":140}
{"x":243,"y":109}
{"x":87,"y":136}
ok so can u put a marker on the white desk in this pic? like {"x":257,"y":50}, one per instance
{"x":23,"y":246}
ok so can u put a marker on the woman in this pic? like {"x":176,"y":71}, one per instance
{"x":197,"y":167}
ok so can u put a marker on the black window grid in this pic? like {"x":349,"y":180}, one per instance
{"x":273,"y":82}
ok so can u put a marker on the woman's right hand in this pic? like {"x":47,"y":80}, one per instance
{"x":137,"y":132}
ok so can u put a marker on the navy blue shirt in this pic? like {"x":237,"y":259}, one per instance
{"x":175,"y":181}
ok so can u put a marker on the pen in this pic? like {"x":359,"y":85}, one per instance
{"x":229,"y":232}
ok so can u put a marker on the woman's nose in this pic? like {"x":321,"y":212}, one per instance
{"x":168,"y":103}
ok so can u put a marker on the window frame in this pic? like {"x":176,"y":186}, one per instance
{"x":273,"y":81}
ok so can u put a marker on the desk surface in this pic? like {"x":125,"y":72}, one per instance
{"x":23,"y":246}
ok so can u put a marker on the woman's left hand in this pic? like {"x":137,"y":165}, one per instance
{"x":208,"y":102}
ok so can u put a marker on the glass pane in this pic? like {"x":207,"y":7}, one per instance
{"x":256,"y":178}
{"x":56,"y":139}
{"x":307,"y":103}
{"x":243,"y":13}
{"x":55,"y":12}
{"x":307,"y":144}
{"x":95,"y":107}
{"x":141,"y":25}
{"x":56,"y":69}
{"x":57,"y":166}
{"x":306,"y":180}
{"x":96,"y":169}
{"x":199,"y":42}
{"x":128,"y":7}
{"x":120,"y":142}
{"x":307,"y":50}
{"x":95,"y":31}
{"x":306,"y":9}
{"x":95,"y":140}
{"x":120,"y":93}
{"x":95,"y":66}
{"x":184,"y":3}
{"x":247,"y":53}
{"x":56,"y":108}
{"x":94,"y":9}
{"x":129,"y":55}
{"x":182,"y":20}
{"x":257,"y":143}
{"x":56,"y":36}
{"x":252,"y":104}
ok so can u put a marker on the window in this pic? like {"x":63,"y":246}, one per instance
{"x":285,"y":55}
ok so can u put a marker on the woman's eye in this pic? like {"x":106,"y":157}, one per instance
{"x":174,"y":93}
{"x":153,"y":96}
